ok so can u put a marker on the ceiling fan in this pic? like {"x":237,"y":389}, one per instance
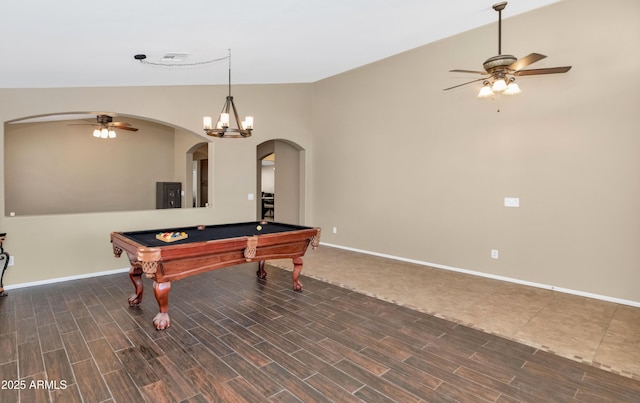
{"x":106,"y":126}
{"x":500,"y":71}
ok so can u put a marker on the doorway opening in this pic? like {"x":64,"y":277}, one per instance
{"x":199,"y":174}
{"x":267,"y":187}
{"x":282,"y":190}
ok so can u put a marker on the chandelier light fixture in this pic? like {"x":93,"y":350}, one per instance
{"x":223,"y":127}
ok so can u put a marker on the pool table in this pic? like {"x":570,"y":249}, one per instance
{"x":207,"y":247}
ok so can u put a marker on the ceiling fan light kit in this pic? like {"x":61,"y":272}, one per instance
{"x":104,"y":133}
{"x":501,"y":70}
{"x":223,"y":128}
{"x":106,"y":127}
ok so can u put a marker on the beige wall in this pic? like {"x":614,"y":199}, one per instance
{"x":403,"y":168}
{"x":287,"y":183}
{"x":59,"y":167}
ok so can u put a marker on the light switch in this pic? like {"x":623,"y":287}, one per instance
{"x":250,"y":196}
{"x":511,"y":202}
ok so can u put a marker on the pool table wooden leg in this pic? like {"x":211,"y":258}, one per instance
{"x":261,"y":273}
{"x":136,"y":277}
{"x":161,"y":291}
{"x":297,"y":268}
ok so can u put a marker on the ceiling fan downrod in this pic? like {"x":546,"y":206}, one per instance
{"x":499,"y":7}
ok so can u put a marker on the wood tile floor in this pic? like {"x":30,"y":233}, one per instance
{"x":236,"y":338}
{"x":601,"y":333}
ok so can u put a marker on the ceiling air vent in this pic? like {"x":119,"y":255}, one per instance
{"x":174,"y":57}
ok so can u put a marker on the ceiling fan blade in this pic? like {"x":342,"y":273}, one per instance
{"x":468,"y":71}
{"x":525,"y":61}
{"x":460,"y":85}
{"x":549,"y":70}
{"x":131,"y":129}
{"x":120,"y":124}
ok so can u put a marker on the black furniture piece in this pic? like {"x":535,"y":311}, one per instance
{"x":168,"y":195}
{"x":268,"y":205}
{"x":4,"y":262}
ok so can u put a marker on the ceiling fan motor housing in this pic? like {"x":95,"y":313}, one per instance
{"x":500,"y":62}
{"x":104,"y":119}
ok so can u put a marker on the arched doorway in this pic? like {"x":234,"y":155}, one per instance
{"x":286,"y":161}
{"x":198,"y":177}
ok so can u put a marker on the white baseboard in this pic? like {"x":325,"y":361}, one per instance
{"x":492,"y":276}
{"x":63,"y":279}
{"x":366,"y":252}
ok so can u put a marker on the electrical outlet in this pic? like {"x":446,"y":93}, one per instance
{"x":335,"y":230}
{"x":494,"y":253}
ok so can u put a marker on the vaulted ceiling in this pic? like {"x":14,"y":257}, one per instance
{"x":76,"y":43}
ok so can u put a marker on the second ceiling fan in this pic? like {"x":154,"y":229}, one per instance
{"x":106,"y":126}
{"x":500,"y":71}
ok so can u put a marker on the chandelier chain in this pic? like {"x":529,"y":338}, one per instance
{"x":188,"y":64}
